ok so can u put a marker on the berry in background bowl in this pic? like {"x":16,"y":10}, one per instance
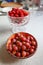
{"x":21,"y":45}
{"x":19,"y":16}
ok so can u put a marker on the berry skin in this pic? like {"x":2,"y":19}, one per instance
{"x":27,"y":54}
{"x":28,"y":45}
{"x":31,"y":51}
{"x":33,"y":43}
{"x":19,"y":43}
{"x":15,"y":48}
{"x":18,"y":54}
{"x":23,"y":54}
{"x":23,"y":47}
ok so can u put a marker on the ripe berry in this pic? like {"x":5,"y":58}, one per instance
{"x":19,"y":43}
{"x":15,"y":48}
{"x":31,"y":50}
{"x":33,"y":43}
{"x":14,"y":40}
{"x":23,"y":47}
{"x":18,"y":54}
{"x":28,"y":45}
{"x":23,"y":38}
{"x":23,"y":53}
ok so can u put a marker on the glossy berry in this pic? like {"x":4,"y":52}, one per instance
{"x":23,"y":47}
{"x":33,"y":43}
{"x":19,"y":48}
{"x":27,"y":40}
{"x":32,"y":38}
{"x":14,"y":40}
{"x":16,"y":15}
{"x":18,"y":54}
{"x":17,"y":38}
{"x":23,"y":53}
{"x":28,"y":37}
{"x":23,"y":43}
{"x":19,"y":43}
{"x":13,"y":12}
{"x":15,"y":48}
{"x":31,"y":50}
{"x":33,"y":47}
{"x":23,"y":38}
{"x":28,"y":45}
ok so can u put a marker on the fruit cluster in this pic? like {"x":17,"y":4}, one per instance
{"x":15,"y":12}
{"x":21,"y":45}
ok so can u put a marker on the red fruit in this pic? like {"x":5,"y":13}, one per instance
{"x":19,"y":43}
{"x":18,"y":34}
{"x":18,"y":54}
{"x":27,"y":40}
{"x":21,"y":13}
{"x":23,"y":43}
{"x":32,"y":38}
{"x":9,"y":47}
{"x":27,"y":54}
{"x":33,"y":47}
{"x":25,"y":13}
{"x":27,"y":49}
{"x":28,"y":45}
{"x":23,"y":47}
{"x":15,"y":48}
{"x":31,"y":50}
{"x":17,"y":38}
{"x":33,"y":43}
{"x":17,"y":11}
{"x":23,"y":54}
{"x":13,"y":52}
{"x":14,"y":40}
{"x":13,"y":12}
{"x":23,"y":38}
{"x":16,"y":15}
{"x":19,"y":48}
{"x":30,"y":42}
{"x":28,"y":37}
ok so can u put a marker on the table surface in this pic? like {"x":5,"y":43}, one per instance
{"x":34,"y":27}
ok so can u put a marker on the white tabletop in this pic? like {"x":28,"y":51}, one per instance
{"x":34,"y":27}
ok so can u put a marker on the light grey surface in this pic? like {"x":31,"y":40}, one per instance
{"x":34,"y":27}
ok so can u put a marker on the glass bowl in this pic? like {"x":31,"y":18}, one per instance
{"x":31,"y":38}
{"x":17,"y":23}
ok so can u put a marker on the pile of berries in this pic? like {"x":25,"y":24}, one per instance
{"x":15,"y":12}
{"x":21,"y":45}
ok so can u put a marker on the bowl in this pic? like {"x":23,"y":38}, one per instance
{"x":18,"y":18}
{"x":21,"y":45}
